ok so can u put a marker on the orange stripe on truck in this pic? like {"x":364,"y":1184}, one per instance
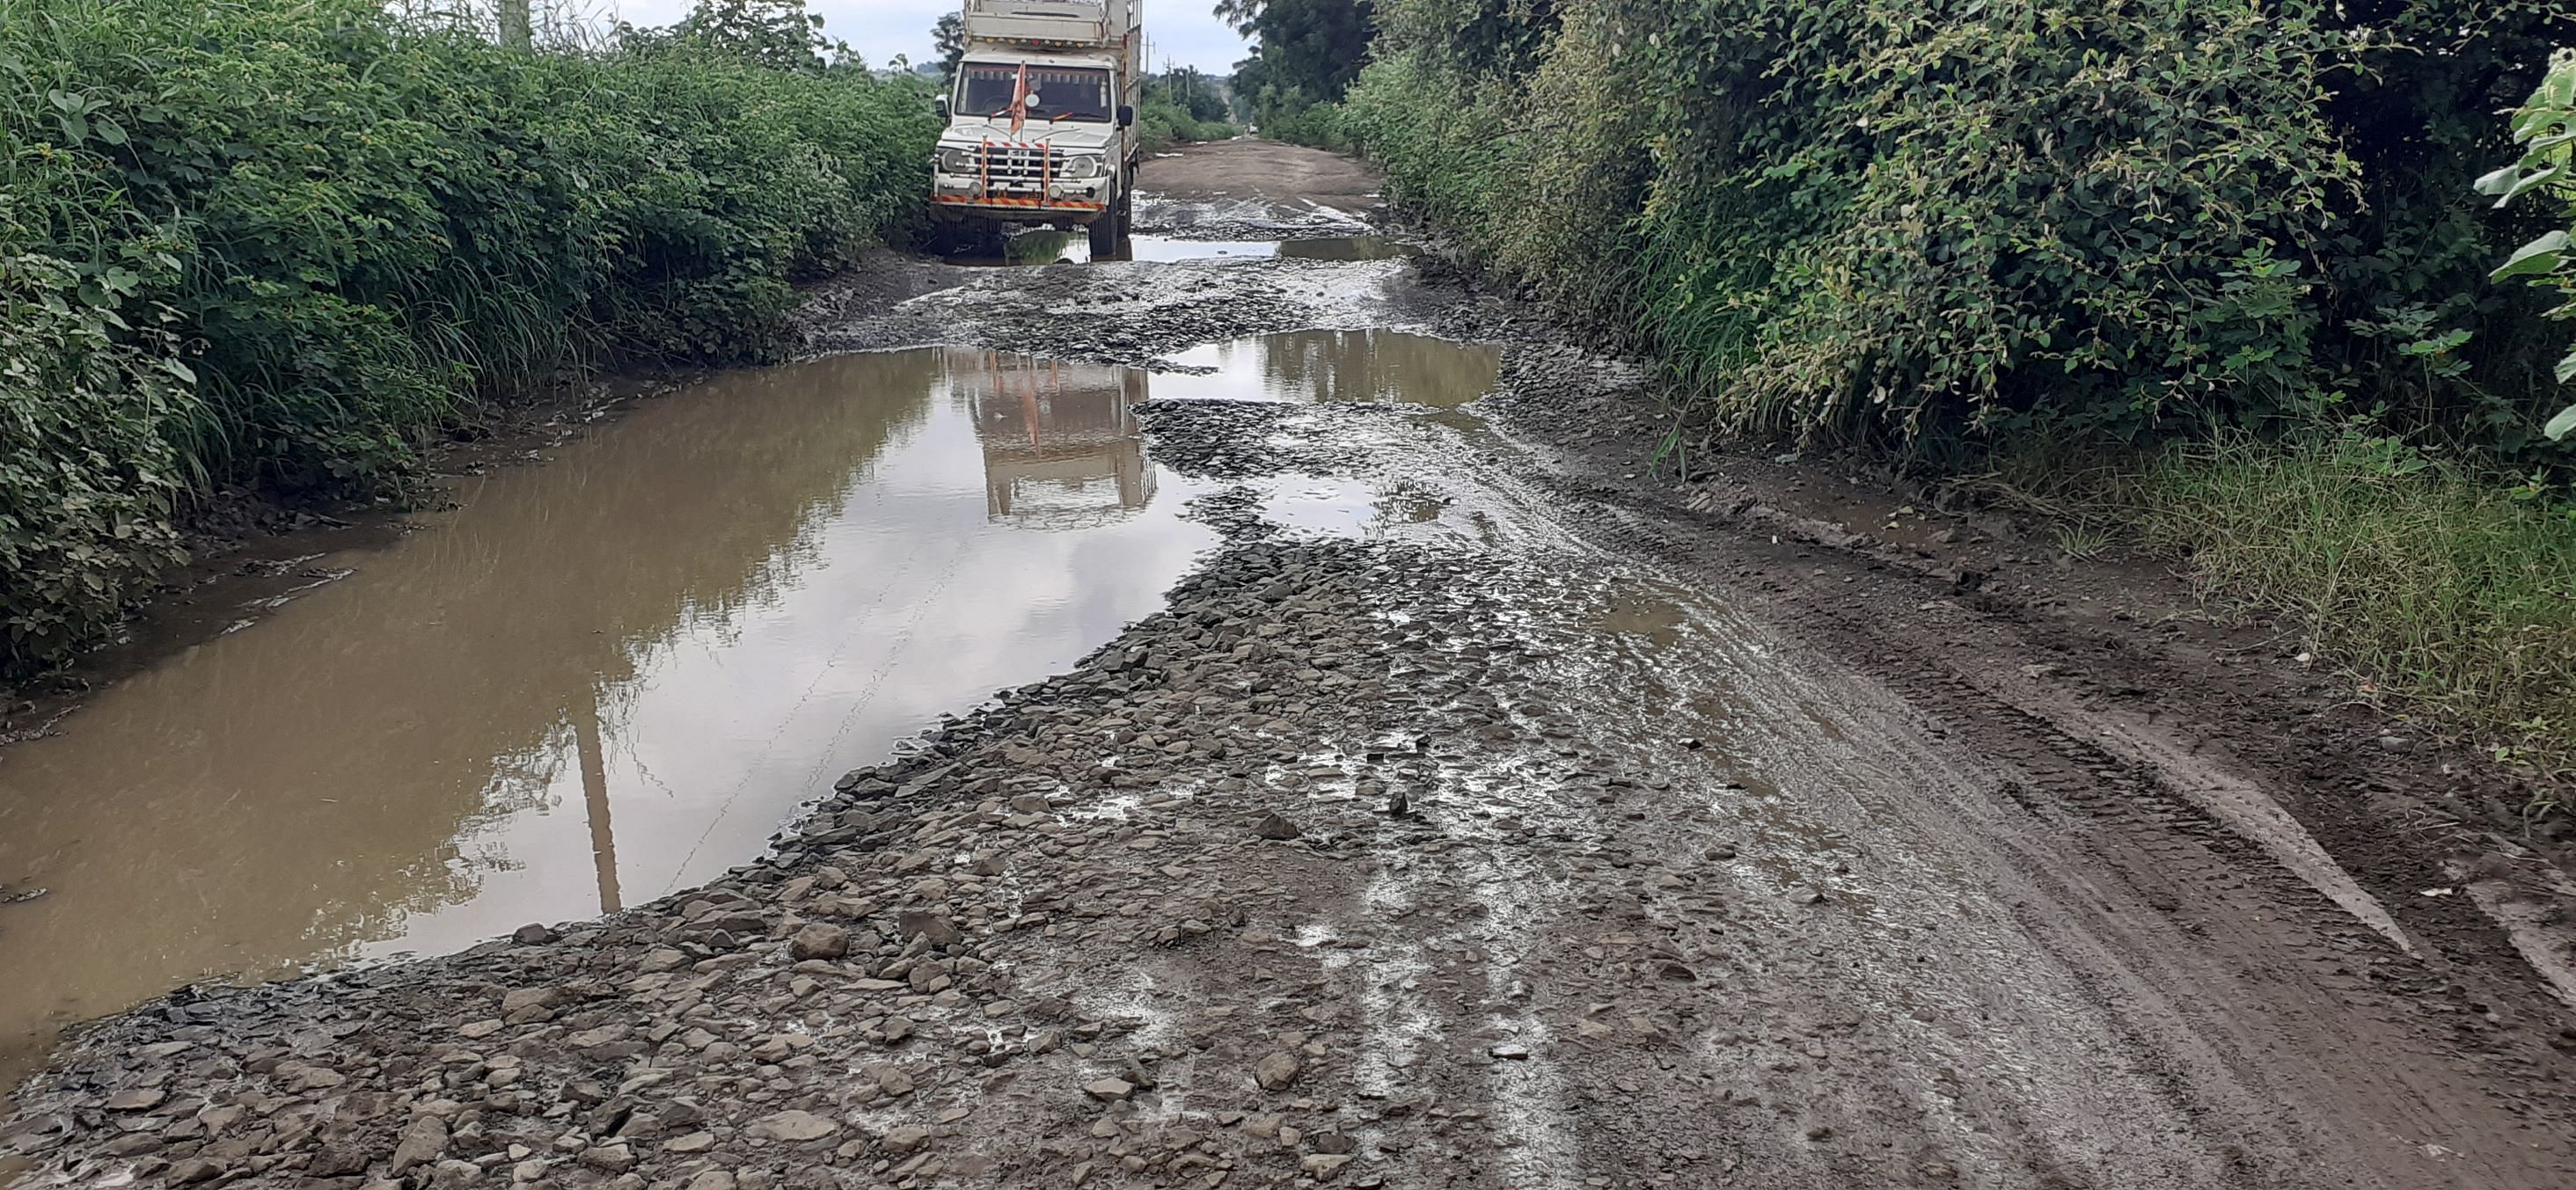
{"x":1062,"y":204}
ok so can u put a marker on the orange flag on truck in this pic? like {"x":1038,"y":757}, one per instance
{"x":1020,"y":100}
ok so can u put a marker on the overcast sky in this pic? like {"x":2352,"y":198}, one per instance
{"x":1181,"y":32}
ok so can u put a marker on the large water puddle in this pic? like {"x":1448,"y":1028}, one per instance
{"x":1362,"y":365}
{"x":1053,"y":246}
{"x":598,"y":680}
{"x":614,"y":674}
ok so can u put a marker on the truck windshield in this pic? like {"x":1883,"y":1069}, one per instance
{"x":1057,"y":92}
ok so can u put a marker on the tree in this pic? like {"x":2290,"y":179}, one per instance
{"x":1192,"y":92}
{"x":1304,"y":51}
{"x":949,"y":35}
{"x":774,"y":33}
{"x":517,"y":31}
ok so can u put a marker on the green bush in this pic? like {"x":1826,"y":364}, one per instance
{"x":1948,"y":221}
{"x":296,"y":237}
{"x":88,"y":471}
{"x":1162,"y":123}
{"x":1182,"y":106}
{"x":1318,"y":124}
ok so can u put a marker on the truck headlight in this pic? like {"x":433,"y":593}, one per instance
{"x":957,"y":161}
{"x":1082,"y":165}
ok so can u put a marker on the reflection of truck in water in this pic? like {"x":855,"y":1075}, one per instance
{"x":1041,"y":121}
{"x":1061,"y":444}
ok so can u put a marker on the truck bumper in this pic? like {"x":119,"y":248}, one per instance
{"x":997,"y":206}
{"x":1075,"y":200}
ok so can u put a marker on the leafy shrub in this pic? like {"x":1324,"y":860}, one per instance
{"x":87,"y":473}
{"x":1316,"y":124}
{"x":1182,"y":106}
{"x":356,"y":224}
{"x":1162,"y":123}
{"x":1966,"y":218}
{"x":2545,"y":127}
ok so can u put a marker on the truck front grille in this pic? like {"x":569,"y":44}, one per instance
{"x":1019,"y":166}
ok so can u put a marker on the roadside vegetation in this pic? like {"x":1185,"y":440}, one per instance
{"x":1305,"y":55}
{"x":2224,"y":262}
{"x":1182,"y":106}
{"x":282,"y":244}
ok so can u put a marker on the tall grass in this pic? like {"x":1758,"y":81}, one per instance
{"x":282,"y":242}
{"x":2440,"y":584}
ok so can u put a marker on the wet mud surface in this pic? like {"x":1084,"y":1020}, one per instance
{"x":1468,"y":814}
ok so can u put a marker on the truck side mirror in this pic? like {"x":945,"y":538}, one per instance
{"x":1126,"y":116}
{"x":940,"y":105}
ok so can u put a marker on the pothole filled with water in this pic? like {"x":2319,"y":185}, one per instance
{"x":1328,"y":366}
{"x":596,"y":681}
{"x":1046,"y":246}
{"x":611,"y":675}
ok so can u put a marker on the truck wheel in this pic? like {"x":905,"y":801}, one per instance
{"x":1106,"y":233}
{"x":1126,"y":214}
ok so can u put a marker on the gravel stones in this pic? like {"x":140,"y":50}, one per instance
{"x":1322,"y":1166}
{"x":1276,"y":1071}
{"x":818,"y":940}
{"x":891,"y":1080}
{"x":924,"y":924}
{"x":794,"y":1124}
{"x":423,"y":1140}
{"x":906,"y":1139}
{"x":1109,"y":1090}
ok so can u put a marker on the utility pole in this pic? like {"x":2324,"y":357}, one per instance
{"x":594,"y":783}
{"x":517,"y":32}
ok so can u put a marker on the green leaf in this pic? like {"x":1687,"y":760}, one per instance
{"x":2511,"y":180}
{"x":2559,"y":426}
{"x":2537,"y":257}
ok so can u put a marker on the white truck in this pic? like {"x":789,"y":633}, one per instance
{"x":1042,"y":121}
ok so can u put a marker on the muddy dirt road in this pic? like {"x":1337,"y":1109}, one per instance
{"x":1474,"y":811}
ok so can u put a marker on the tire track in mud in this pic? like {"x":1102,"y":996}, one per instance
{"x":2249,"y":991}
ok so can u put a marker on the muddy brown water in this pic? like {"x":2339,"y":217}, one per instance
{"x":1364,"y":365}
{"x":1048,"y":246}
{"x":611,"y":675}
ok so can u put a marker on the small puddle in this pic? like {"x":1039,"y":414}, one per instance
{"x":1051,"y":246}
{"x":1646,"y":614}
{"x":1322,"y":366}
{"x":598,"y":680}
{"x":1345,"y":248}
{"x":1349,"y":508}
